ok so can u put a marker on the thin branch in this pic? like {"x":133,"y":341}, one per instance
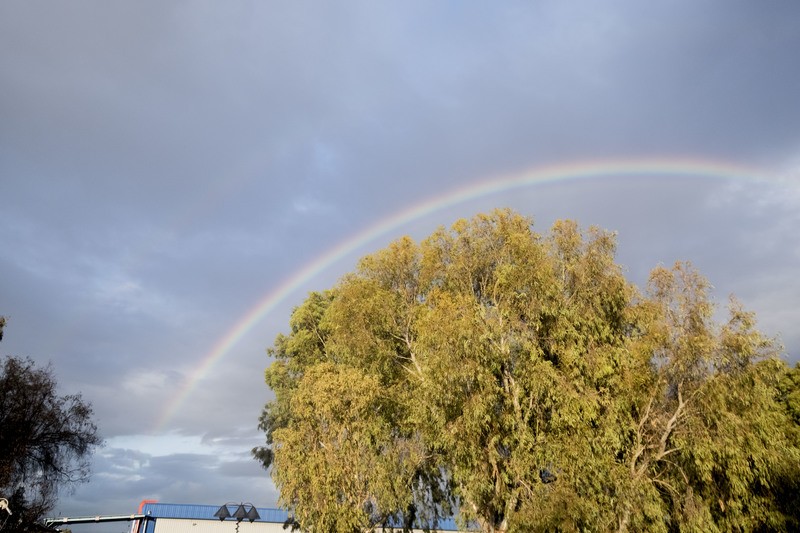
{"x":664,"y":483}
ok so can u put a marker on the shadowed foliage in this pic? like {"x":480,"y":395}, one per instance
{"x":46,"y":440}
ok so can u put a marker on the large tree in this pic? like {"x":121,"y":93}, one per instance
{"x":46,"y":440}
{"x":521,"y":381}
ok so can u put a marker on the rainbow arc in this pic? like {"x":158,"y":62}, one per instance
{"x":644,"y":167}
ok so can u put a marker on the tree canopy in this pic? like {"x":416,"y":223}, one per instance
{"x":46,"y":440}
{"x":519,"y":381}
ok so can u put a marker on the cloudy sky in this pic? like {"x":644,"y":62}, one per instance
{"x":176,"y":176}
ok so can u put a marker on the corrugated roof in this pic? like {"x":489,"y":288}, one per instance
{"x":206,"y":512}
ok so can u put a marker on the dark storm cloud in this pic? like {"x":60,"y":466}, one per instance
{"x":165,"y":166}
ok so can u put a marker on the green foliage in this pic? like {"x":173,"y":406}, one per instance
{"x":522,"y":381}
{"x":46,"y":440}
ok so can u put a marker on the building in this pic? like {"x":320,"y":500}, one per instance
{"x":154,"y":517}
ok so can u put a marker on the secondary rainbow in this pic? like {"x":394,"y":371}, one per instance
{"x":570,"y":171}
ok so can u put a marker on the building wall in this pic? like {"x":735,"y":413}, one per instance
{"x":190,"y":518}
{"x":188,"y":525}
{"x":184,"y":525}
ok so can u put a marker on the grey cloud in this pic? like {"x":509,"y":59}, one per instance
{"x":127,"y":477}
{"x":166,"y":166}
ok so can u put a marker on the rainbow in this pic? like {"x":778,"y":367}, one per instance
{"x":571,"y":171}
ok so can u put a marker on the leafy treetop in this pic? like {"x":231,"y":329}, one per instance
{"x":521,"y":381}
{"x":46,"y":440}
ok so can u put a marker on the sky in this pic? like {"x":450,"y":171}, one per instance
{"x":175,"y":177}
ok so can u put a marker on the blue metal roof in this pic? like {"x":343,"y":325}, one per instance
{"x":206,"y":512}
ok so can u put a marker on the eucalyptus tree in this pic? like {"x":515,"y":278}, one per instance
{"x":520,"y":381}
